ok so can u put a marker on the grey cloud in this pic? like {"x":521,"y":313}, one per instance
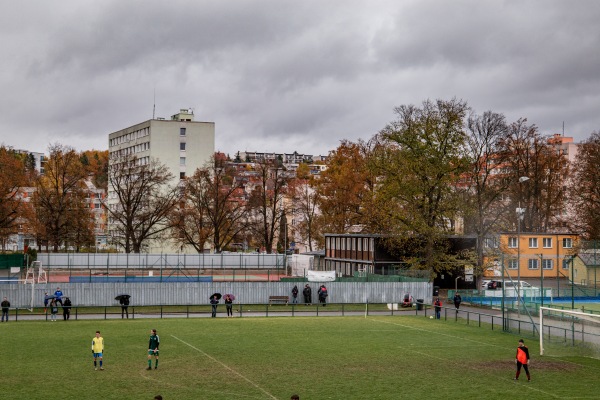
{"x":279,"y":74}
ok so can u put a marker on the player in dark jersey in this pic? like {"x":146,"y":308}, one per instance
{"x":153,"y":349}
{"x":522,"y":360}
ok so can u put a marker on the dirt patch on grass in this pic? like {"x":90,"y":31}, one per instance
{"x":538,"y":365}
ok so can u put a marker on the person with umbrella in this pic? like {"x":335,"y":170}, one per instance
{"x":214,"y":300}
{"x":229,"y":298}
{"x":124,"y":301}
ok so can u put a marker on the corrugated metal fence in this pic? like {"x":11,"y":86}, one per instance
{"x":139,"y":260}
{"x":181,"y":293}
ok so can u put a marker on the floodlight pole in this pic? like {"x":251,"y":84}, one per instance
{"x":504,"y":319}
{"x":572,"y":282}
{"x":520,"y":215}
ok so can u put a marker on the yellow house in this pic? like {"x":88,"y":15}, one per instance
{"x":532,"y":254}
{"x":586,"y":269}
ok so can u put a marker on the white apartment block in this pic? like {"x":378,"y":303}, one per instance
{"x":180,"y":143}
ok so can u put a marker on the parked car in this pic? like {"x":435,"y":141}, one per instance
{"x":493,"y":285}
{"x":515,"y":284}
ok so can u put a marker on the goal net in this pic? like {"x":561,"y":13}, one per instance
{"x":566,"y":333}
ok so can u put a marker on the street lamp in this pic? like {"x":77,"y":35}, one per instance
{"x":520,"y":215}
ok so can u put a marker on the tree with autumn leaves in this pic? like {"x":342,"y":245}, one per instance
{"x":13,"y":177}
{"x":436,"y":164}
{"x":63,"y":217}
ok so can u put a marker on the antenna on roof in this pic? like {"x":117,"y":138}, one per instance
{"x":563,"y":128}
{"x":154,"y":103}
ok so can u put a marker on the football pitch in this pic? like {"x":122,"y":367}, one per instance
{"x":378,"y":357}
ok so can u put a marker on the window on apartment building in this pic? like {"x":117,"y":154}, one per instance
{"x":547,"y":264}
{"x":182,"y":175}
{"x":533,"y":243}
{"x":533,"y":263}
{"x":513,"y":264}
{"x":181,"y":131}
{"x":182,"y":146}
{"x":547,"y":242}
{"x":512,"y":242}
{"x":567,"y":243}
{"x":566,"y":263}
{"x":181,"y":160}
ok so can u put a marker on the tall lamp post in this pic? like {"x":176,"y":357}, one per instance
{"x":520,"y":215}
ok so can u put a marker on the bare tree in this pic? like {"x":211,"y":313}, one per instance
{"x":543,"y":195}
{"x":306,"y":210}
{"x":267,"y":201}
{"x":585,"y":188}
{"x":213,"y":207}
{"x":141,"y":198}
{"x":483,"y":205}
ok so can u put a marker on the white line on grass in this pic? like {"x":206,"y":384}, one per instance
{"x":226,"y":367}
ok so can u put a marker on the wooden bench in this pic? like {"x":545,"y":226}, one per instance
{"x":282,"y":299}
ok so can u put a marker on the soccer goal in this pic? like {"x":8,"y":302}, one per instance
{"x":569,"y":332}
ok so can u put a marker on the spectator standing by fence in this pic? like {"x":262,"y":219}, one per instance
{"x":307,"y":293}
{"x":214,"y":301}
{"x":438,"y":308}
{"x":229,"y":305}
{"x":295,"y":294}
{"x":457,"y":300}
{"x":58,"y":296}
{"x":67,"y":309}
{"x":124,"y":301}
{"x":46,"y":301}
{"x":53,"y":310}
{"x":322,"y":295}
{"x":5,"y":307}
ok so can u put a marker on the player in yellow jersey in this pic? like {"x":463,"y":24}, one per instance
{"x":97,"y":350}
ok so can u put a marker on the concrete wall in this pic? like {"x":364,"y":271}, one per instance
{"x":102,"y":294}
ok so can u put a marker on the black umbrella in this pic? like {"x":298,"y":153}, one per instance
{"x":216,"y":294}
{"x":122,"y":296}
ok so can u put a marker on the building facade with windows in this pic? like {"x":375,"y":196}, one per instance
{"x":529,"y":255}
{"x":180,"y":143}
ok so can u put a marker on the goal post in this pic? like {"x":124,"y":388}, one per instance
{"x":574,"y":330}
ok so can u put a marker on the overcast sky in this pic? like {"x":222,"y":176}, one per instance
{"x":284,"y":76}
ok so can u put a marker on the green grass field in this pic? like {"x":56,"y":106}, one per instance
{"x":395,"y":357}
